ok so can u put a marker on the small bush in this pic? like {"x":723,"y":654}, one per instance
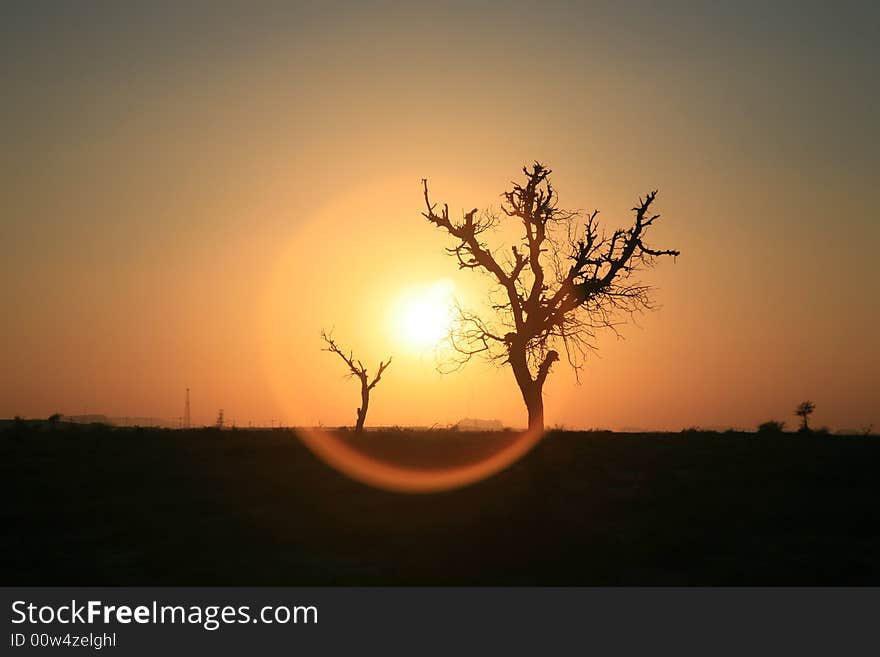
{"x":697,"y":431}
{"x":771,"y":426}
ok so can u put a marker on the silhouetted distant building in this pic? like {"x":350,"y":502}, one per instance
{"x":473,"y":424}
{"x":88,"y":419}
{"x":127,"y":421}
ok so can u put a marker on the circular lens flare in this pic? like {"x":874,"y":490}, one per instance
{"x":424,"y":465}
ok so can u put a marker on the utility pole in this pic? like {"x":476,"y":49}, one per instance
{"x":186,"y":411}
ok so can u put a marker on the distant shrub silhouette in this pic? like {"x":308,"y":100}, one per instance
{"x":804,"y":410}
{"x":696,"y":431}
{"x":771,"y":426}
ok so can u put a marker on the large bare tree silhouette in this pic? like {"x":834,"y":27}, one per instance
{"x":357,"y":369}
{"x":565,"y":280}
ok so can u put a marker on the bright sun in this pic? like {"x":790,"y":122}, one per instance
{"x":424,"y":314}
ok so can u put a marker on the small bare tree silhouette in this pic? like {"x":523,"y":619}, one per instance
{"x":356,"y":368}
{"x":804,"y":410}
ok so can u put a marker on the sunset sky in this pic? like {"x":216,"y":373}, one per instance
{"x":192,"y":191}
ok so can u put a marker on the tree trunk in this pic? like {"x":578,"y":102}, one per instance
{"x":362,"y":411}
{"x":534,"y":399}
{"x":532,"y":392}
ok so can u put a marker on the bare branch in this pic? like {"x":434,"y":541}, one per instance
{"x":355,"y":369}
{"x":382,"y":368}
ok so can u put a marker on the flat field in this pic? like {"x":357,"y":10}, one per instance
{"x":100,"y":506}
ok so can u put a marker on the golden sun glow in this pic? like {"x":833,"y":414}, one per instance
{"x":423,"y":315}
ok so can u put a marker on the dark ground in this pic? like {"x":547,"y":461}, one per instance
{"x":150,"y":507}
